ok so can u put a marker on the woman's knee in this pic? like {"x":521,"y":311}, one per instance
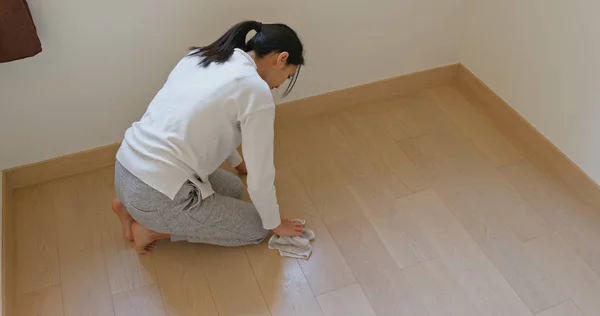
{"x":254,"y":239}
{"x":237,"y":189}
{"x":254,"y":235}
{"x":262,"y":236}
{"x":227,"y":184}
{"x":231,"y":239}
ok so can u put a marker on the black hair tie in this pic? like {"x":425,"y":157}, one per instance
{"x":259,"y":26}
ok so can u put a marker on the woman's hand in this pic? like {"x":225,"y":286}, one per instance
{"x":289,"y":228}
{"x":241,"y":168}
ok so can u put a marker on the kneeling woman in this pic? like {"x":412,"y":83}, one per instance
{"x":167,"y":174}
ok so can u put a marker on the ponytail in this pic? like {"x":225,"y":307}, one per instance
{"x":269,"y":38}
{"x":221,"y":50}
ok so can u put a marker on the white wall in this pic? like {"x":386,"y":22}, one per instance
{"x":543,"y":58}
{"x":103,"y":61}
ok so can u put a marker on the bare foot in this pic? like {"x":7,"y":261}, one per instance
{"x":145,"y":239}
{"x":126,"y":219}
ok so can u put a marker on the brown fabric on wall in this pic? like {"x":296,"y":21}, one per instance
{"x":18,"y":36}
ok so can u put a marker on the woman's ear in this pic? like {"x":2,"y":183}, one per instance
{"x":282,"y":59}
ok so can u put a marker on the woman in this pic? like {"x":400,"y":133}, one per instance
{"x":167,"y":174}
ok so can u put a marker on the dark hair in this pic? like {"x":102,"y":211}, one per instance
{"x":269,"y":38}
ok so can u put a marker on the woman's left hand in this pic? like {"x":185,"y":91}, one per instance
{"x":241,"y":168}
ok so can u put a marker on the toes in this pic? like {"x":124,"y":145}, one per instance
{"x":141,"y":251}
{"x":149,"y":248}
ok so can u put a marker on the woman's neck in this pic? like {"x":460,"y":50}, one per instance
{"x":259,"y":63}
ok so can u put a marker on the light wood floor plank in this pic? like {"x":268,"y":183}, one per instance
{"x":282,"y":282}
{"x":502,"y":198}
{"x":547,"y":197}
{"x":232,"y":282}
{"x":304,"y":148}
{"x":470,"y":267}
{"x":576,"y":278}
{"x":577,"y":223}
{"x":36,"y":245}
{"x":396,"y":120}
{"x":368,"y":259}
{"x":85,"y":283}
{"x":375,"y":194}
{"x":485,"y":225}
{"x":567,"y":308}
{"x":475,"y":125}
{"x":367,"y":136}
{"x":141,"y":301}
{"x":346,"y":160}
{"x":485,"y":204}
{"x":405,"y":241}
{"x":370,"y":143}
{"x":126,"y":269}
{"x":315,"y":169}
{"x":326,"y":270}
{"x":387,"y":120}
{"x":381,"y":279}
{"x":180,"y":274}
{"x":347,"y":301}
{"x":44,"y":302}
{"x":439,"y":291}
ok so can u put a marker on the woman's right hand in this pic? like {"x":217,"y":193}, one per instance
{"x":289,"y":228}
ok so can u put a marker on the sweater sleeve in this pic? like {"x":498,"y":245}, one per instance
{"x":257,"y":145}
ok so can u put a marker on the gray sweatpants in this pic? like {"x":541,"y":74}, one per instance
{"x":221,"y":219}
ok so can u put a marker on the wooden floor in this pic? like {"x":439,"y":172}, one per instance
{"x":420,"y":207}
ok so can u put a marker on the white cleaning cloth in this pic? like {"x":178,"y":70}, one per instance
{"x":294,"y":247}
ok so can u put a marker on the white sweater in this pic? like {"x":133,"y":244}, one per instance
{"x":196,"y":121}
